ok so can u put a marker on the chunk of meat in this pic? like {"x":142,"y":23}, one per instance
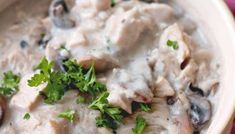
{"x":101,"y":4}
{"x":27,"y":97}
{"x":181,"y":118}
{"x":76,"y":40}
{"x":51,"y":53}
{"x":100,"y":63}
{"x":163,"y":88}
{"x":164,"y":64}
{"x":126,"y":27}
{"x":161,"y":13}
{"x":174,"y":33}
{"x":101,"y":58}
{"x":188,"y":74}
{"x":125,"y":87}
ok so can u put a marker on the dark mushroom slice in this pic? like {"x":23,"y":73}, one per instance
{"x":59,"y":14}
{"x":45,"y":38}
{"x":200,"y":112}
{"x":148,"y":1}
{"x":24,"y":44}
{"x":2,"y":108}
{"x":196,"y":90}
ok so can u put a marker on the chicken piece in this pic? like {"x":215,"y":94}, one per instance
{"x":101,"y":58}
{"x":51,"y":53}
{"x":164,"y":64}
{"x":174,"y":33}
{"x":125,"y":87}
{"x":76,"y":40}
{"x":27,"y":97}
{"x":101,"y":4}
{"x":161,"y":13}
{"x":209,"y":85}
{"x":181,"y":118}
{"x":126,"y":27}
{"x":163,"y":88}
{"x":188,"y":74}
{"x":56,"y":127}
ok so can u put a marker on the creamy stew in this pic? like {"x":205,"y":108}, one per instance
{"x":117,"y":66}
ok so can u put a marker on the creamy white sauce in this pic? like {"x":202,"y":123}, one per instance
{"x":128,"y":43}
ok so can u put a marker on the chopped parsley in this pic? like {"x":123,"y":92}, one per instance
{"x":58,"y":82}
{"x":113,"y":3}
{"x":173,"y":44}
{"x":77,"y":78}
{"x":26,"y":116}
{"x":145,"y":107}
{"x":109,"y":114}
{"x":45,"y":68}
{"x":80,"y":99}
{"x":9,"y":83}
{"x":68,"y":115}
{"x":139,"y":126}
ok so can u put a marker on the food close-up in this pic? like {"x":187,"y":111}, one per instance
{"x":114,"y":67}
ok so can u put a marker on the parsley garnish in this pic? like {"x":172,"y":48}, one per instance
{"x":58,"y":82}
{"x":80,"y":99}
{"x":108,"y":113}
{"x":81,"y":79}
{"x":145,"y":107}
{"x":45,"y":68}
{"x":113,"y":3}
{"x":68,"y":114}
{"x":10,"y":83}
{"x":173,"y":44}
{"x":26,"y":116}
{"x":140,"y":125}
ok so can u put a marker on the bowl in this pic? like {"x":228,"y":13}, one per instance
{"x":217,"y":24}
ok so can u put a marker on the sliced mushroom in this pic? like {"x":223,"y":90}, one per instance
{"x":196,"y":90}
{"x":59,"y":14}
{"x":163,"y":88}
{"x":147,"y":1}
{"x":2,"y":108}
{"x":200,"y":112}
{"x":100,"y":63}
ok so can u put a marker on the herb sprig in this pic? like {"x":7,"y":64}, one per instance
{"x":173,"y":44}
{"x":68,"y":115}
{"x":84,"y":80}
{"x":9,"y":84}
{"x":140,"y":125}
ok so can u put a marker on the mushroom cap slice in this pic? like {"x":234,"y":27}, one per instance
{"x":200,"y":112}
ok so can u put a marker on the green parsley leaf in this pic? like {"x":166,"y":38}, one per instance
{"x":68,"y":115}
{"x":173,"y":44}
{"x":106,"y":121}
{"x":108,"y":113}
{"x":145,"y":107}
{"x":101,"y":103}
{"x":45,"y":68}
{"x":55,"y":88}
{"x":113,"y":3}
{"x":80,"y":99}
{"x":84,"y":80}
{"x":10,"y":83}
{"x":26,"y":116}
{"x":140,"y":125}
